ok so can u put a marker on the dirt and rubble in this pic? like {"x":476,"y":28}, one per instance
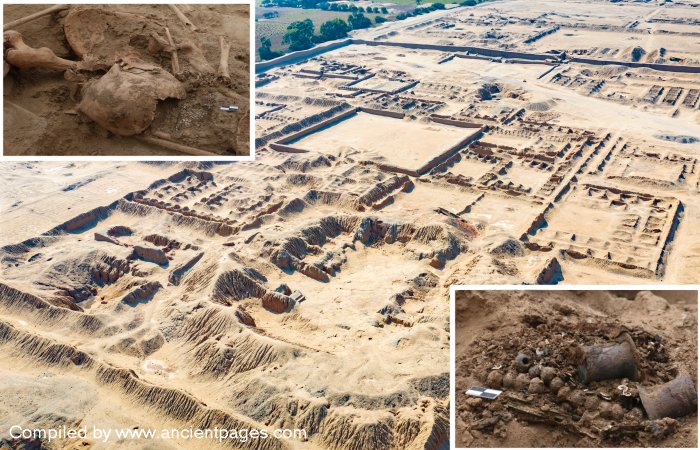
{"x":532,"y":345}
{"x":143,"y":80}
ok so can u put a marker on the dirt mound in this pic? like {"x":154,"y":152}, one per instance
{"x":636,"y":54}
{"x":541,"y":106}
{"x":509,"y":247}
{"x":487,"y":91}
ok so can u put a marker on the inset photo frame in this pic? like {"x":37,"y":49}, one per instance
{"x":122,"y":81}
{"x":606,"y":366}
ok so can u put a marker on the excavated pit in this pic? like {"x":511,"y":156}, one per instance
{"x":540,"y":348}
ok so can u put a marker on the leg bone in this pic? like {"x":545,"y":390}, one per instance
{"x":19,"y":54}
{"x":223,"y":62}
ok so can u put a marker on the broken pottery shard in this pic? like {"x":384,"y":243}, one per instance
{"x":124,"y":100}
{"x":676,"y":398}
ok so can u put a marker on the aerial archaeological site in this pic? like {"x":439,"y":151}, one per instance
{"x":116,"y":80}
{"x":243,"y":296}
{"x":306,"y":291}
{"x":564,"y":135}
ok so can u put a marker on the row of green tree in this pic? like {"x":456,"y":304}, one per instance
{"x":301,"y":35}
{"x":420,"y":10}
{"x":320,"y":4}
{"x":332,"y":6}
{"x":307,"y":4}
{"x":324,"y":5}
{"x":345,"y":7}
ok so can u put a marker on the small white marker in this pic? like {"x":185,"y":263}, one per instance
{"x":483,"y":392}
{"x":229,"y":108}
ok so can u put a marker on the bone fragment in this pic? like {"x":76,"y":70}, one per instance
{"x":36,"y":15}
{"x":183,"y":18}
{"x":223,"y":61}
{"x":173,"y":55}
{"x":164,"y":140}
{"x":19,"y":54}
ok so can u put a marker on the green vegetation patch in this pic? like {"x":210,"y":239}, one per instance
{"x":275,"y":27}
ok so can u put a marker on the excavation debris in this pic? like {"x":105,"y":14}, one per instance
{"x":594,"y":379}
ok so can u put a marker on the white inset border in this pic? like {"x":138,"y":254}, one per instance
{"x":251,"y":91}
{"x":534,"y":287}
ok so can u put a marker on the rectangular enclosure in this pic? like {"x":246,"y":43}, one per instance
{"x":404,"y":144}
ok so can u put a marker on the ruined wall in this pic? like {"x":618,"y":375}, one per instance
{"x":259,"y":142}
{"x":662,"y":67}
{"x":317,"y":126}
{"x":489,"y":52}
{"x":301,"y":55}
{"x":461,"y":48}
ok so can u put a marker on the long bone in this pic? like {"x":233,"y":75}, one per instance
{"x":183,"y":18}
{"x":189,"y":51}
{"x":19,"y":54}
{"x":223,"y":61}
{"x":36,"y":15}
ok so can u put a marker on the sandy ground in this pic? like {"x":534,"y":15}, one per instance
{"x":393,"y":139}
{"x":494,"y":326}
{"x":37,"y":197}
{"x":584,"y":172}
{"x":202,"y":295}
{"x":41,"y":115}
